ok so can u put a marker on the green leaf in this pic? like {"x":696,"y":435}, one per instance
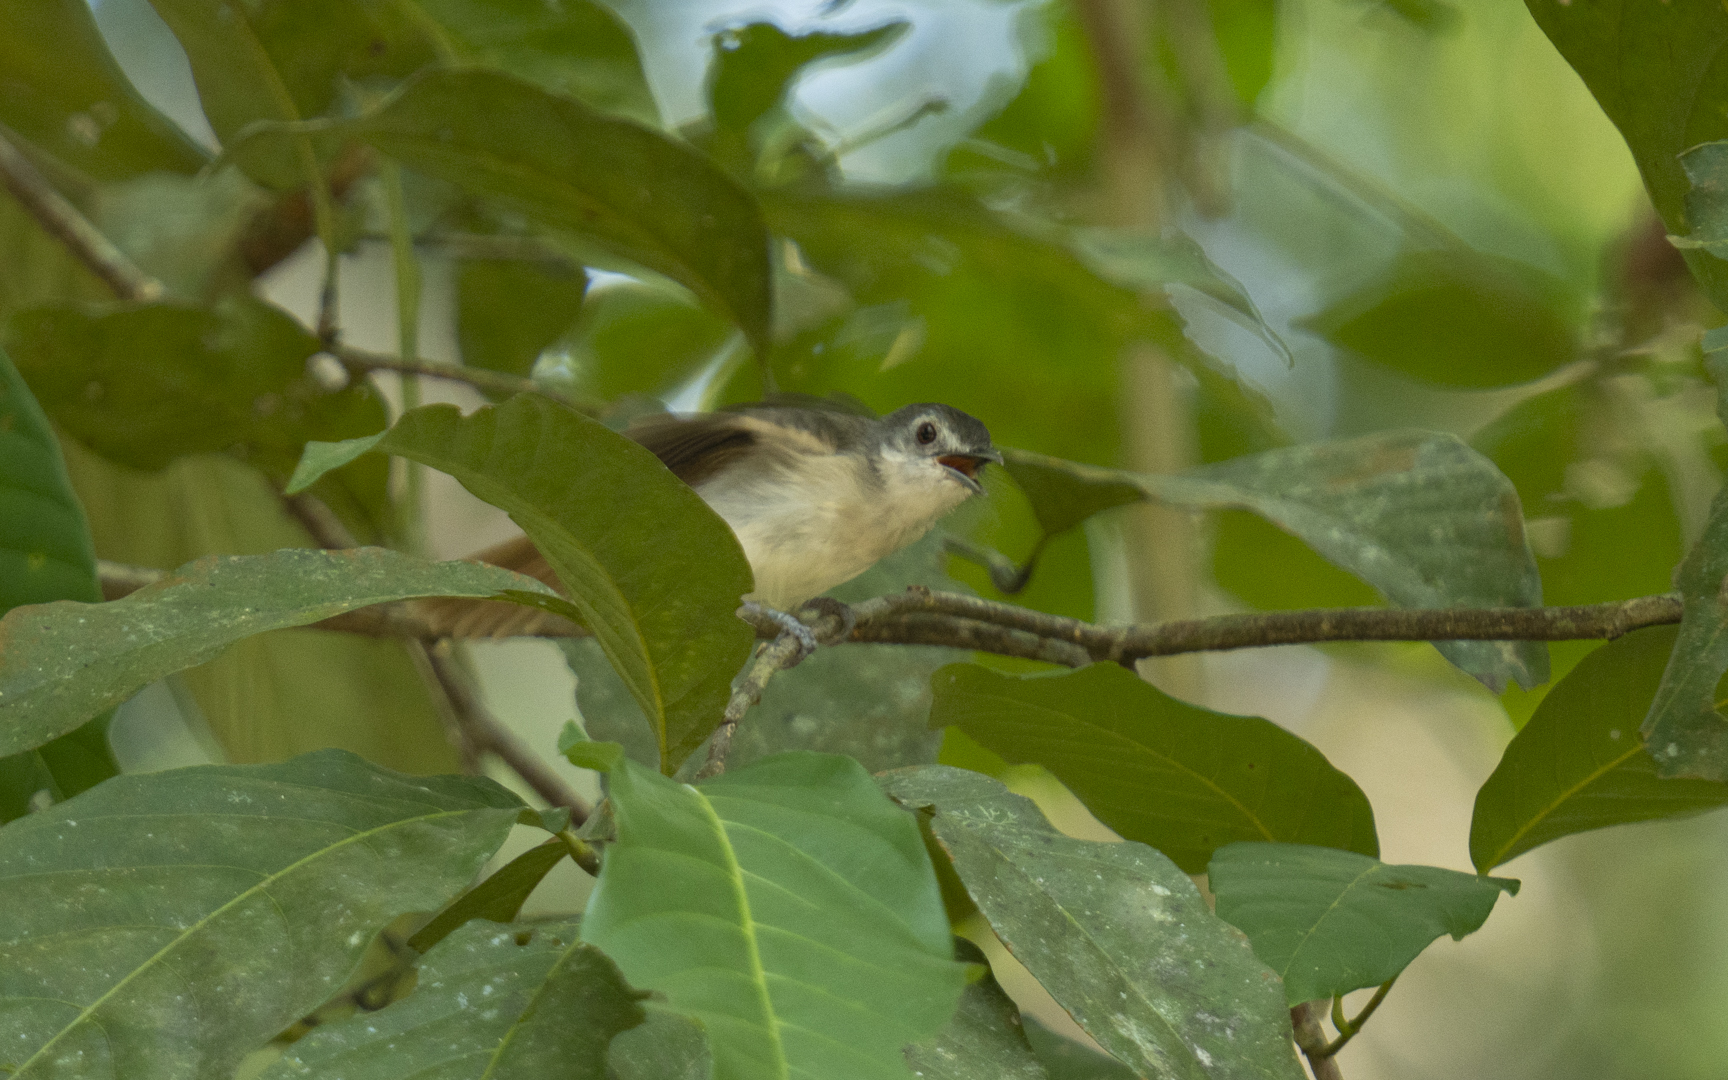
{"x":1330,"y":921}
{"x":212,"y":889}
{"x":652,"y":571}
{"x":1184,"y":779}
{"x":576,"y":47}
{"x":788,"y":907}
{"x":639,"y":337}
{"x":520,"y":1002}
{"x":1115,"y":931}
{"x":647,"y":198}
{"x":45,"y":554}
{"x":587,"y":754}
{"x":508,"y":311}
{"x":1066,"y":1059}
{"x":1706,"y":203}
{"x":984,"y":1041}
{"x":664,"y":1047}
{"x":1457,"y":318}
{"x":1684,"y":731}
{"x":64,"y":93}
{"x":1579,"y":764}
{"x":146,"y":384}
{"x":62,"y":663}
{"x":1654,"y":67}
{"x":498,"y":899}
{"x":1418,"y":515}
{"x":268,"y":60}
{"x":1247,"y":33}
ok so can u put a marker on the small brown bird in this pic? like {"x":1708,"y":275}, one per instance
{"x":815,"y":496}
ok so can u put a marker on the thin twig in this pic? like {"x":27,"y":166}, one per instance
{"x":486,"y":734}
{"x":482,"y":379}
{"x":66,"y":224}
{"x":1347,"y":1029}
{"x":1311,"y":1040}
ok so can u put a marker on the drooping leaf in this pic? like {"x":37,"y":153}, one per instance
{"x":1330,"y":921}
{"x":146,"y":384}
{"x":577,"y":47}
{"x":64,"y":92}
{"x":520,"y":1002}
{"x":1116,"y":932}
{"x":1457,"y":318}
{"x":508,"y":311}
{"x":1653,"y":66}
{"x":1183,"y":779}
{"x":209,"y":892}
{"x":1066,"y":1059}
{"x":498,"y":899}
{"x":62,"y":663}
{"x":269,"y":60}
{"x":645,"y":197}
{"x":653,"y":572}
{"x":984,"y":1041}
{"x":1684,"y":731}
{"x":45,"y":554}
{"x":1579,"y":764}
{"x":1420,"y":516}
{"x":788,"y":907}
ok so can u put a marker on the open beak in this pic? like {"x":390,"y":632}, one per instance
{"x":968,"y":465}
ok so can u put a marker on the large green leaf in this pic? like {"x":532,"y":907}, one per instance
{"x":639,"y":337}
{"x":1579,"y":764}
{"x":788,"y":907}
{"x":491,"y":1002}
{"x":1655,"y":68}
{"x":666,"y":1046}
{"x":508,"y":311}
{"x":1116,"y":932}
{"x":1420,"y":516}
{"x":283,"y":60}
{"x":646,"y":197}
{"x":984,"y":1041}
{"x":45,"y":554}
{"x":1330,"y":921}
{"x":62,"y":663}
{"x":1684,"y":731}
{"x":653,"y":572}
{"x":1184,"y":779}
{"x":164,"y":925}
{"x":145,"y":384}
{"x":64,"y":93}
{"x":498,"y":899}
{"x":1458,"y":318}
{"x":575,"y":47}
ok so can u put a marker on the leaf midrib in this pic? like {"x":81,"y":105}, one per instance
{"x":261,"y":886}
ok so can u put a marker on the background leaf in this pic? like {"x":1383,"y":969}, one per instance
{"x":1184,"y":779}
{"x":1579,"y":763}
{"x":520,"y":1002}
{"x":64,"y":93}
{"x":1330,"y":921}
{"x":1683,"y":730}
{"x":1420,"y":516}
{"x":62,"y":663}
{"x":647,"y":198}
{"x":984,"y":1041}
{"x":776,"y":904}
{"x":654,"y":573}
{"x":498,"y":899}
{"x":508,"y":310}
{"x":190,"y":887}
{"x":1083,"y":917}
{"x":45,"y":554}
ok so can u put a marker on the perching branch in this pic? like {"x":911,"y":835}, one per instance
{"x":1311,"y":1040}
{"x":66,"y":224}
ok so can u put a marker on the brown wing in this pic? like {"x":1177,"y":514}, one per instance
{"x":694,"y":447}
{"x":498,"y":618}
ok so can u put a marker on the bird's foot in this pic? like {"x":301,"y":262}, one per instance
{"x":843,"y":613}
{"x":786,"y":621}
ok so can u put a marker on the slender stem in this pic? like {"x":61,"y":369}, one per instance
{"x":1347,"y":1029}
{"x":407,"y":341}
{"x":496,"y":382}
{"x":63,"y":221}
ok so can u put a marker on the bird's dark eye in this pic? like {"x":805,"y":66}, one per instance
{"x":926,"y":433}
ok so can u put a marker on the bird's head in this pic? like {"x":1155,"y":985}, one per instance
{"x":936,"y":444}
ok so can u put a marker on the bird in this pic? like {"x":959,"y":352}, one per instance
{"x":815,"y":495}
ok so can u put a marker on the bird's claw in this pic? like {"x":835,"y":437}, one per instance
{"x":788,"y":624}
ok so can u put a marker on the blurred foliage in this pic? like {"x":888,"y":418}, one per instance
{"x":1375,"y":215}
